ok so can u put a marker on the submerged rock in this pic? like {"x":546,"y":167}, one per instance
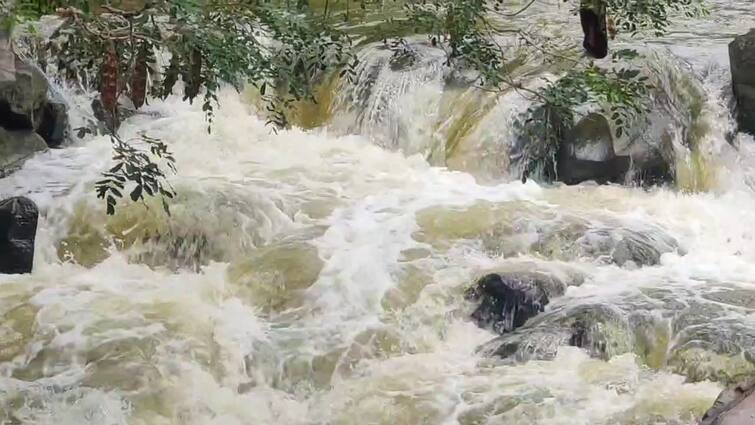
{"x":601,"y":330}
{"x":517,"y":228}
{"x":734,"y":406}
{"x":623,"y":246}
{"x":710,"y":348}
{"x":275,"y":278}
{"x":18,"y":228}
{"x":742,"y":58}
{"x":509,"y":297}
{"x":507,"y":302}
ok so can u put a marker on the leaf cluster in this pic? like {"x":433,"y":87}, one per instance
{"x":136,"y":170}
{"x":633,"y":16}
{"x":208,"y":43}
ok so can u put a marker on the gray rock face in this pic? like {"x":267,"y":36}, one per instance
{"x":742,"y":58}
{"x":31,"y":118}
{"x":734,"y":406}
{"x":16,"y":146}
{"x":18,"y":229}
{"x":54,"y":127}
{"x":7,"y":58}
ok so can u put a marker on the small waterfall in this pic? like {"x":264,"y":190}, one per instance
{"x":395,"y":98}
{"x":408,"y":98}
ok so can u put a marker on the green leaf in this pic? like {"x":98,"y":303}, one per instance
{"x":136,"y":194}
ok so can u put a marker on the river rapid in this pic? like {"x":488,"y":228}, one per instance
{"x":317,"y":276}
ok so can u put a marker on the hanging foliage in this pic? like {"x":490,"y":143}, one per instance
{"x":285,"y":48}
{"x":208,"y":43}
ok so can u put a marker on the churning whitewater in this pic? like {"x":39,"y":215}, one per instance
{"x":319,"y":276}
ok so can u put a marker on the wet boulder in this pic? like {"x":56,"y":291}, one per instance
{"x":734,"y":406}
{"x":506,"y":302}
{"x":603,"y":331}
{"x":26,"y":102}
{"x":23,"y":92}
{"x":18,"y":228}
{"x":506,"y":299}
{"x":526,"y":344}
{"x":742,"y":59}
{"x":587,"y":153}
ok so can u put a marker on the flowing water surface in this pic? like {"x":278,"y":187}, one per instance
{"x":318,"y":277}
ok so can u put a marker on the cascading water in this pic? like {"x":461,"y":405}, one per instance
{"x":317,"y":277}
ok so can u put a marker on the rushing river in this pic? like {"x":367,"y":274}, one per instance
{"x":318,"y":277}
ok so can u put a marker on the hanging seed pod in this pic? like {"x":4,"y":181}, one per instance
{"x":194,"y":78}
{"x":138,"y":84}
{"x":109,"y":84}
{"x":592,"y":15}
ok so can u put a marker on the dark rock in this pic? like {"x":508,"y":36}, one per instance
{"x":575,"y":171}
{"x":18,"y":228}
{"x":645,"y":151}
{"x":654,"y":171}
{"x":507,"y":301}
{"x":53,"y":126}
{"x":734,"y":406}
{"x":742,"y":59}
{"x":404,"y":57}
{"x":587,"y":153}
{"x":16,"y":147}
